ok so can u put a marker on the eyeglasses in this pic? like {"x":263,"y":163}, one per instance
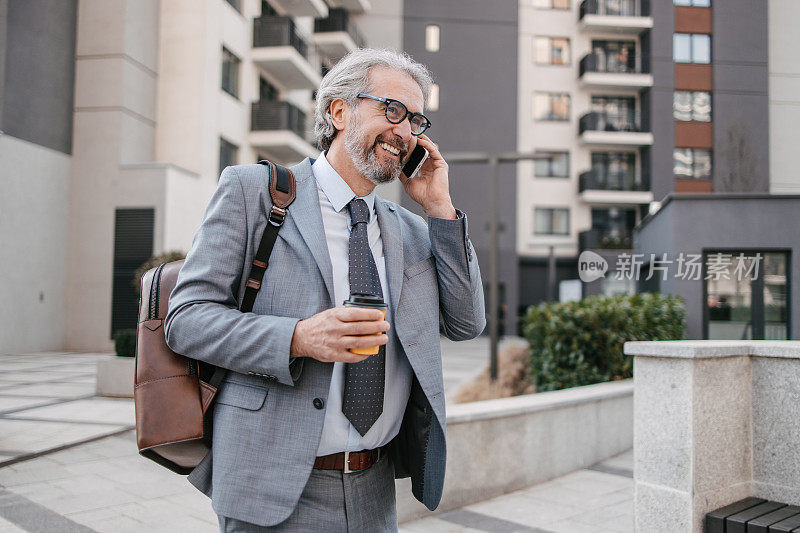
{"x":396,"y":112}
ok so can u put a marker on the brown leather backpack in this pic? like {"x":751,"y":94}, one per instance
{"x":173,"y":394}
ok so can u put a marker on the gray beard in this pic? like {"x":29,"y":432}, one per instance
{"x":366,"y":160}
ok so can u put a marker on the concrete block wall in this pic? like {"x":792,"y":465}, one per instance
{"x":714,"y":422}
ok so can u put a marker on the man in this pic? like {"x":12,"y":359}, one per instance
{"x":309,"y":436}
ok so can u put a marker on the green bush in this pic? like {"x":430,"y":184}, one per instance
{"x":166,"y":257}
{"x":125,"y":342}
{"x":579,"y":343}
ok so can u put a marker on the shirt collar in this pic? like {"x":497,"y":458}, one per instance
{"x":335,"y":188}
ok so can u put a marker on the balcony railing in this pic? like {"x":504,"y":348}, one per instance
{"x":270,"y":116}
{"x":338,"y":19}
{"x":592,"y":63}
{"x":595,"y":181}
{"x":596,"y":121}
{"x":615,"y":8}
{"x":278,"y":31}
{"x":595,"y":239}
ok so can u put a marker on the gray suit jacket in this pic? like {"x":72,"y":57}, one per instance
{"x":266,"y":426}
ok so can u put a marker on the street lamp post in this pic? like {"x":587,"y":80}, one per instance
{"x":493,"y":161}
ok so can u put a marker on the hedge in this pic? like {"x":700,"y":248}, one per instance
{"x":579,"y":343}
{"x":125,"y":342}
{"x":154,"y":261}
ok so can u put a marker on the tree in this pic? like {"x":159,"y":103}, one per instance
{"x":742,"y":161}
{"x":166,"y":257}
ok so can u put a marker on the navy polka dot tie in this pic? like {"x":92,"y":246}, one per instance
{"x":363,"y":387}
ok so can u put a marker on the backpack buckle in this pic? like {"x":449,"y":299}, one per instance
{"x":277,"y":215}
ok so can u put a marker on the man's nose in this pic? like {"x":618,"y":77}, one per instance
{"x":403,"y":129}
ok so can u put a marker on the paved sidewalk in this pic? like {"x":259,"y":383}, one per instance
{"x":68,"y":463}
{"x":47,"y":402}
{"x":598,"y":499}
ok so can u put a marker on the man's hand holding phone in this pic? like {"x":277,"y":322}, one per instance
{"x":431,"y":187}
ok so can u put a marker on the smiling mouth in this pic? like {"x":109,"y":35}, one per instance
{"x":389,"y":148}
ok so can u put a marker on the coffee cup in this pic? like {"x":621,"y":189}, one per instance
{"x":366,"y":301}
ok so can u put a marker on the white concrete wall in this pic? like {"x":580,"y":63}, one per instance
{"x":115,"y":90}
{"x":181,"y":85}
{"x":784,"y":96}
{"x":193,"y":110}
{"x":499,"y":446}
{"x":33,"y":236}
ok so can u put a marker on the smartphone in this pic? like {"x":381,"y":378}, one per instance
{"x":415,"y":161}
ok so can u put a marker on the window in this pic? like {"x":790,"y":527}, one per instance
{"x":617,"y":113}
{"x":551,"y":106}
{"x":556,"y":165}
{"x":230,"y":73}
{"x":266,"y":91}
{"x":432,"y":38}
{"x":550,"y":4}
{"x":551,"y":50}
{"x":614,"y":170}
{"x":228,"y":153}
{"x":619,"y":8}
{"x":691,"y":48}
{"x":614,"y":225}
{"x":433,"y":99}
{"x":614,"y":56}
{"x":695,"y":3}
{"x":692,"y":163}
{"x":692,"y":105}
{"x":551,"y":220}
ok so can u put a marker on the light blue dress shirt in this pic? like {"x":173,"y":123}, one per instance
{"x":338,"y":434}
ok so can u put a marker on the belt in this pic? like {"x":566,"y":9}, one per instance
{"x":349,"y":461}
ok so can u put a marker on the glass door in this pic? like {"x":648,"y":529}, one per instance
{"x":746,"y":295}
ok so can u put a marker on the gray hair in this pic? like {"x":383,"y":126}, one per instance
{"x":350,"y":76}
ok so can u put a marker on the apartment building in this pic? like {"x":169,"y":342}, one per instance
{"x":118,"y":117}
{"x":627,"y":101}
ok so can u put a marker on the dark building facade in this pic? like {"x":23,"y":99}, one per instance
{"x":37,"y":71}
{"x":474,"y":64}
{"x":745,"y":257}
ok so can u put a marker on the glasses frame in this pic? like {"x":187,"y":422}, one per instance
{"x":408,"y":114}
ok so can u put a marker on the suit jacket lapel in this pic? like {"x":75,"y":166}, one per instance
{"x":306,"y":217}
{"x":392,"y":248}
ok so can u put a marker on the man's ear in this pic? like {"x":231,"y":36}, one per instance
{"x":339,"y":111}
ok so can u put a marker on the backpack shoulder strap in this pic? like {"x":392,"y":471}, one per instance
{"x":282,"y":191}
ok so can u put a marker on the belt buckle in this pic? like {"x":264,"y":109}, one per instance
{"x":347,"y":463}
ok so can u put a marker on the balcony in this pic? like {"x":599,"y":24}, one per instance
{"x":600,"y":129}
{"x":301,"y":8}
{"x":594,"y":239}
{"x":279,"y":131}
{"x":336,"y":35}
{"x":618,"y":16}
{"x":355,"y":6}
{"x":613,"y":189}
{"x":599,"y":72}
{"x":282,"y":54}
